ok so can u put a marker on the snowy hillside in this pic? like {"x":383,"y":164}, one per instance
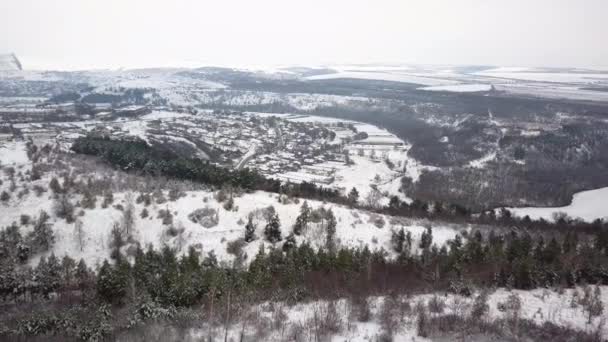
{"x":355,"y":228}
{"x":401,"y":315}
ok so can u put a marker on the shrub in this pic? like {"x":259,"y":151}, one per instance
{"x":64,"y":208}
{"x":422,"y":322}
{"x":480,"y":306}
{"x":25,"y":219}
{"x":436,"y":304}
{"x":4,"y":196}
{"x":166,"y":216}
{"x":206,"y":217}
{"x":38,"y":190}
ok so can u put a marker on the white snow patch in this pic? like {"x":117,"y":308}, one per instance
{"x":586,"y":205}
{"x":460,"y":88}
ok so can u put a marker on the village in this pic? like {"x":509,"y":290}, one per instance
{"x":290,"y":147}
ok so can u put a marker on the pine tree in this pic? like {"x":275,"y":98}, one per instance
{"x":68,"y":270}
{"x":398,"y":240}
{"x":88,"y":200}
{"x":249,"y":230}
{"x":116,"y":242}
{"x":353,"y":196}
{"x":111,"y":283}
{"x":54,"y":186}
{"x":82,"y":274}
{"x":426,"y":240}
{"x":302,"y":219}
{"x":290,"y":243}
{"x":64,"y":208}
{"x":272,"y":231}
{"x":48,"y":274}
{"x":41,"y":239}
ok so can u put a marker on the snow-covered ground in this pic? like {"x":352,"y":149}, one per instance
{"x":13,"y":154}
{"x":355,"y":227}
{"x":587,"y":205}
{"x":386,"y":76}
{"x":539,"y":76}
{"x":460,"y":88}
{"x":539,"y":306}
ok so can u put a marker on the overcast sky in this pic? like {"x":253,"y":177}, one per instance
{"x":76,"y":34}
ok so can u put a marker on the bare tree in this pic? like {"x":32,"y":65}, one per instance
{"x":79,"y":234}
{"x":128,"y":215}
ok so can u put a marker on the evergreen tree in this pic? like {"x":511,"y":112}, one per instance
{"x":426,"y":239}
{"x":398,"y":240}
{"x":116,"y":242}
{"x":302,"y":219}
{"x":68,"y":270}
{"x":64,"y":208}
{"x":353,"y":196}
{"x":272,"y":231}
{"x":330,"y":240}
{"x":54,"y":186}
{"x":249,"y":230}
{"x":48,"y":274}
{"x":88,"y":199}
{"x":111,"y":283}
{"x":41,"y":239}
{"x":82,"y":274}
{"x":394,"y":203}
{"x":290,"y":243}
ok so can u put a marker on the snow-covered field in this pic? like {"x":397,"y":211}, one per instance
{"x":386,"y":76}
{"x":552,"y":91}
{"x":587,"y":205}
{"x":540,"y":76}
{"x":460,"y":88}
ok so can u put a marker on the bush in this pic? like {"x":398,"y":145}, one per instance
{"x":236,"y":247}
{"x":422,"y":322}
{"x":108,"y":198}
{"x":39,"y":190}
{"x":4,"y":196}
{"x":144,"y":198}
{"x":25,"y":219}
{"x":436,"y":304}
{"x":175,"y":194}
{"x":206,"y":217}
{"x":480,"y":306}
{"x":166,"y":216}
{"x":64,"y":208}
{"x":361,"y":305}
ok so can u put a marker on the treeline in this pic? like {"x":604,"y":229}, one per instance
{"x":136,"y":155}
{"x":288,"y":271}
{"x":293,"y":274}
